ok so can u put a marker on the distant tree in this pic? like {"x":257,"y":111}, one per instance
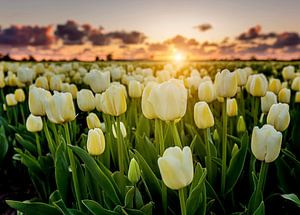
{"x":109,"y":57}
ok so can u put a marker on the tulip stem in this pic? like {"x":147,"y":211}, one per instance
{"x":38,"y":144}
{"x":158,"y":125}
{"x":242,"y":102}
{"x":176,"y":135}
{"x":73,"y":167}
{"x":182,"y":201}
{"x":255,"y":107}
{"x":120,"y":146}
{"x":224,"y":146}
{"x":15,"y":115}
{"x":164,"y":196}
{"x":22,"y":113}
{"x":208,"y":161}
{"x":48,"y":137}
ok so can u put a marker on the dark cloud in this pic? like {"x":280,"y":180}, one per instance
{"x":255,"y":33}
{"x":203,"y":27}
{"x":27,"y":35}
{"x":160,"y":47}
{"x":70,"y":33}
{"x":133,"y":37}
{"x":287,"y":39}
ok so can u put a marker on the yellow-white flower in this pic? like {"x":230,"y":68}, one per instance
{"x":257,"y":85}
{"x":279,"y":116}
{"x":36,"y":100}
{"x":34,"y":123}
{"x":284,"y":95}
{"x":95,"y":142}
{"x":232,"y":107}
{"x":203,"y":116}
{"x":20,"y":95}
{"x":86,"y":100}
{"x":122,"y":128}
{"x":135,"y":89}
{"x":93,"y":121}
{"x":11,"y":99}
{"x":226,"y":83}
{"x":267,"y":101}
{"x":274,"y":85}
{"x":288,"y":72}
{"x":206,"y":91}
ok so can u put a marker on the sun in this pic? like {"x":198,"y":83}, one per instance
{"x":178,"y":56}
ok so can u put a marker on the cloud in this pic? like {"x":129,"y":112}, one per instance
{"x":204,"y":27}
{"x":287,"y":39}
{"x":70,"y":32}
{"x":133,"y":37}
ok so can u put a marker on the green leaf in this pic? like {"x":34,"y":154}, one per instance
{"x":30,"y":162}
{"x":147,"y":209}
{"x":292,"y":197}
{"x":33,"y":208}
{"x":129,"y":198}
{"x":122,"y":182}
{"x":96,"y":209}
{"x":3,"y":144}
{"x":260,"y":210}
{"x":26,"y":144}
{"x":102,"y":180}
{"x":236,"y":165}
{"x":56,"y":200}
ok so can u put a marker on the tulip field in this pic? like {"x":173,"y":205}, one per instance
{"x":219,"y":137}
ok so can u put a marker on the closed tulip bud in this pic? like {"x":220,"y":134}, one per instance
{"x":267,"y":101}
{"x":60,"y":108}
{"x":257,"y":85}
{"x":266,"y":143}
{"x":97,"y":80}
{"x":241,"y":125}
{"x":86,"y":100}
{"x":176,"y":167}
{"x":297,"y":97}
{"x":2,"y":80}
{"x":288,"y":72}
{"x":73,"y":90}
{"x":11,"y":99}
{"x":114,"y":100}
{"x":36,"y":100}
{"x":232,"y":107}
{"x":93,"y":121}
{"x":216,"y":136}
{"x":134,"y":172}
{"x":284,"y":95}
{"x":135,"y":89}
{"x":42,"y":82}
{"x":95,"y":142}
{"x":296,"y":84}
{"x":147,"y":107}
{"x":20,"y":95}
{"x":203,"y":116}
{"x":55,"y":83}
{"x":235,"y":150}
{"x":279,"y":116}
{"x":275,"y":85}
{"x":169,"y":100}
{"x":34,"y":123}
{"x":226,"y":83}
{"x":206,"y":91}
{"x":122,"y":128}
{"x":4,"y":107}
{"x":242,"y":76}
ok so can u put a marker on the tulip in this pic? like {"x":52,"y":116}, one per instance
{"x":241,"y":125}
{"x":147,"y":107}
{"x":55,"y":83}
{"x":97,"y":80}
{"x":242,"y":76}
{"x":284,"y":85}
{"x":266,"y":143}
{"x":279,"y":116}
{"x":122,"y":128}
{"x":11,"y":99}
{"x":169,"y":100}
{"x":274,"y":85}
{"x":232,"y":107}
{"x":135,"y":89}
{"x":203,"y":116}
{"x":267,"y":101}
{"x":206,"y":91}
{"x":60,"y":108}
{"x":284,"y":95}
{"x":114,"y":100}
{"x":288,"y":72}
{"x":235,"y":150}
{"x":98,"y":101}
{"x":36,"y":100}
{"x":297,"y":97}
{"x":86,"y":100}
{"x":95,"y":142}
{"x":296,"y":84}
{"x":20,"y":95}
{"x":134,"y":172}
{"x":42,"y":82}
{"x":93,"y":121}
{"x":257,"y":85}
{"x":2,"y":80}
{"x":26,"y":75}
{"x":176,"y":167}
{"x":34,"y":123}
{"x":226,"y":83}
{"x":116,"y":73}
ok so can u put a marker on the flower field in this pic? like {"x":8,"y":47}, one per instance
{"x":113,"y":138}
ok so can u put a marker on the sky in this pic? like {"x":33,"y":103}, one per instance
{"x":139,"y":29}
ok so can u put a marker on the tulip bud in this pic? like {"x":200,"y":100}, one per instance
{"x":297,"y":97}
{"x":20,"y":95}
{"x":226,"y":83}
{"x":288,"y":72}
{"x":55,"y":83}
{"x":266,"y":143}
{"x":42,"y":82}
{"x":122,"y":128}
{"x":95,"y":142}
{"x":147,"y":108}
{"x":169,"y":100}
{"x":296,"y":84}
{"x":4,"y":107}
{"x":116,"y":73}
{"x":114,"y":100}
{"x":203,"y":116}
{"x":206,"y":91}
{"x":2,"y":80}
{"x":60,"y":108}
{"x":34,"y":123}
{"x":97,"y":80}
{"x":267,"y":101}
{"x":232,"y":107}
{"x":274,"y":85}
{"x":284,"y":95}
{"x":241,"y":125}
{"x":216,"y":136}
{"x":242,"y":76}
{"x":36,"y":100}
{"x":279,"y":116}
{"x":134,"y":172}
{"x":135,"y":89}
{"x":73,"y":90}
{"x":86,"y":100}
{"x":176,"y":167}
{"x":235,"y":150}
{"x":257,"y":85}
{"x":11,"y":99}
{"x":93,"y":121}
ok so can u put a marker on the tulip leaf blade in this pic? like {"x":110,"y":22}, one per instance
{"x":95,"y":208}
{"x":34,"y":208}
{"x":292,"y":197}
